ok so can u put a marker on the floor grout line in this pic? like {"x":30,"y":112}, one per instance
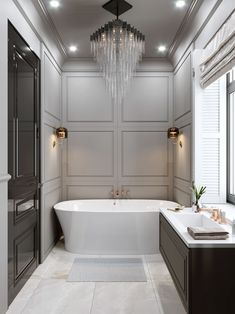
{"x":92,"y":303}
{"x":154,"y":290}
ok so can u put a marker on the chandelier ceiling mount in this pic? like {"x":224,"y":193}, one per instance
{"x":117,"y":7}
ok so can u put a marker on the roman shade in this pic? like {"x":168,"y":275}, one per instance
{"x":219,"y":55}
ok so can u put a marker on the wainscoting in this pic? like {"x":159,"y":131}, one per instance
{"x":183,"y":120}
{"x":121,"y":147}
{"x":51,"y":155}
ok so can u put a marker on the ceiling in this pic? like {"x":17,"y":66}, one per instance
{"x":76,"y":20}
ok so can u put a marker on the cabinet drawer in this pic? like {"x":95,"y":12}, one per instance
{"x":175,"y":254}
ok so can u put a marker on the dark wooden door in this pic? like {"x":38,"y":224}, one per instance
{"x":23,"y":161}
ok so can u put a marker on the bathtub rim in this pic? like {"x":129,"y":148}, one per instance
{"x":152,"y":209}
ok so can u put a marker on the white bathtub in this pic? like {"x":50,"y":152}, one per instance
{"x":111,"y":227}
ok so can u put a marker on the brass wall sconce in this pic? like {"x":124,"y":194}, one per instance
{"x":61,"y":133}
{"x":173,"y":134}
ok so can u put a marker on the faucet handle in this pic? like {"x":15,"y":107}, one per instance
{"x":125,"y":193}
{"x":114,"y":193}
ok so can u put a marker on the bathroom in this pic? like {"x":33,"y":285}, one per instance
{"x":117,"y":164}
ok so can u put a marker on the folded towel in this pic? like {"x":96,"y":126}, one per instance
{"x":201,"y":233}
{"x":209,"y":237}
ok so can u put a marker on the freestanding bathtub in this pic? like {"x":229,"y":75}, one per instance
{"x":111,"y":226}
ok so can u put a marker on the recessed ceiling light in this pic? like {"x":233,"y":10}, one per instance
{"x":54,"y":3}
{"x":162,"y":48}
{"x":180,"y":3}
{"x":73,"y":48}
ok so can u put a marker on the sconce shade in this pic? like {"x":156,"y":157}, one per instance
{"x":173,"y":133}
{"x":61,"y":133}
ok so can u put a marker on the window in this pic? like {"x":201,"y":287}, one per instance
{"x":231,"y":136}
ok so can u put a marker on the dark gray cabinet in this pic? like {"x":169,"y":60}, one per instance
{"x":23,"y":162}
{"x":204,"y":277}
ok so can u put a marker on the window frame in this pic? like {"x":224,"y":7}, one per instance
{"x":230,"y":90}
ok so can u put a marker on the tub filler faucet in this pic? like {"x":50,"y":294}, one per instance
{"x":115,"y":194}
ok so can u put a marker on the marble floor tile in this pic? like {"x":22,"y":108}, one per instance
{"x":54,"y":296}
{"x":23,"y":296}
{"x":48,"y":292}
{"x":158,"y":270}
{"x":167,"y":295}
{"x":169,"y":307}
{"x":153,"y":258}
{"x":124,"y":298}
{"x":17,"y":306}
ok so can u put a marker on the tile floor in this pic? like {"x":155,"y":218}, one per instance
{"x":48,"y":292}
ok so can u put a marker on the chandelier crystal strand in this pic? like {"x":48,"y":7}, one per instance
{"x":117,"y":47}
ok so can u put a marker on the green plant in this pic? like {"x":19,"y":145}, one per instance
{"x":198,"y":192}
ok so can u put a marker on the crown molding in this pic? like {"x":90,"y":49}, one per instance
{"x":194,"y":7}
{"x":76,"y":64}
{"x":51,"y":24}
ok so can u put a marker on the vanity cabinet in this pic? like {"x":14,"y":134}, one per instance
{"x":203,"y":276}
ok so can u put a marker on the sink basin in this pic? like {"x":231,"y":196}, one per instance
{"x":196,"y":220}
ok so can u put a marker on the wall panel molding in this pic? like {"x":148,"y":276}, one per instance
{"x":51,"y":86}
{"x":89,"y":191}
{"x":183,"y":89}
{"x":51,"y":177}
{"x":88,"y":153}
{"x":147,"y":191}
{"x":87,"y":99}
{"x":154,"y":108}
{"x":145,"y":154}
{"x":50,"y":227}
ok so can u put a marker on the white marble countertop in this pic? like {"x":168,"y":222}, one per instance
{"x":181,"y":230}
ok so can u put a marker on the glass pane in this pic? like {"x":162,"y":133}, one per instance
{"x":25,"y":108}
{"x":232,"y":143}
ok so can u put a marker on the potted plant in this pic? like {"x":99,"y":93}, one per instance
{"x":197,"y":193}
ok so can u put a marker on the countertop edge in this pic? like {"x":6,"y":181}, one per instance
{"x":223,"y":244}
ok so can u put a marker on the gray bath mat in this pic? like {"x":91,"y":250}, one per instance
{"x":107,"y":270}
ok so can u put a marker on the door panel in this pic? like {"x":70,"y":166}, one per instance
{"x":23,"y":160}
{"x":25,"y":119}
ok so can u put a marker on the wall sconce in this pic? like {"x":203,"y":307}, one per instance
{"x":61,"y":133}
{"x":173,"y":134}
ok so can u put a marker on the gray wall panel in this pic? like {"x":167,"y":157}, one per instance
{"x":110,"y":146}
{"x":90,"y":154}
{"x":183,"y":120}
{"x":87,"y":100}
{"x":144,"y":154}
{"x":153,"y":108}
{"x":51,"y":155}
{"x":89,"y":191}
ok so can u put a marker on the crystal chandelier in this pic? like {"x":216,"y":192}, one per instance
{"x":117,"y":47}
